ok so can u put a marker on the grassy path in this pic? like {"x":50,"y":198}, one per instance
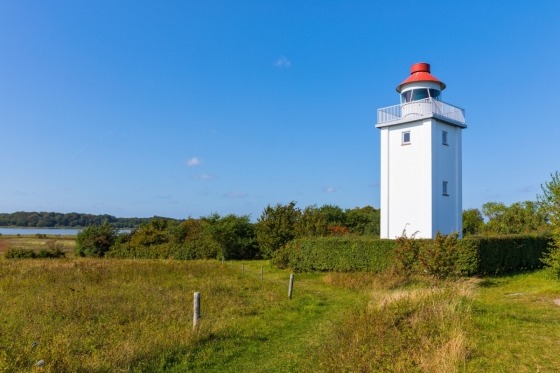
{"x":516,"y":325}
{"x":283,"y":337}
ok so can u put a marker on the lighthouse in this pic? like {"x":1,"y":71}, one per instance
{"x":421,"y":163}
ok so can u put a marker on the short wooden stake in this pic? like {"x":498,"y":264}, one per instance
{"x":261,"y":274}
{"x":196,"y":310}
{"x":291,"y":286}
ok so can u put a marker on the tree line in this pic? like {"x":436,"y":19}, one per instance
{"x":68,"y":220}
{"x":228,"y":237}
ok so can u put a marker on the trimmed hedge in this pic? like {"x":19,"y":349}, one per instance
{"x":506,"y":254}
{"x":339,"y":254}
{"x":473,"y":255}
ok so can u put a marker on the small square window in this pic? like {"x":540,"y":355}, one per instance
{"x":444,"y":138}
{"x":406,"y":138}
{"x":444,"y":187}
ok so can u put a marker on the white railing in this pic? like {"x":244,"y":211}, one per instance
{"x":420,"y":108}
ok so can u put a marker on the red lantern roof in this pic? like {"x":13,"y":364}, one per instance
{"x":420,"y":72}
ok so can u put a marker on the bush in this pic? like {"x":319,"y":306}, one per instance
{"x":54,"y":250}
{"x":20,"y":254}
{"x":96,"y":240}
{"x":338,"y":254}
{"x":443,"y":257}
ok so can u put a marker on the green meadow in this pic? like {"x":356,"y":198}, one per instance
{"x":117,"y":315}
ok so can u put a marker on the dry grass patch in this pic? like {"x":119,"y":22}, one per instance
{"x":419,"y":327}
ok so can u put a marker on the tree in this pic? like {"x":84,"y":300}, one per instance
{"x":312,"y":223}
{"x":235,"y":235}
{"x":363,"y":220}
{"x":550,"y":202}
{"x":96,"y":240}
{"x":520,"y":217}
{"x":276,"y":226}
{"x":473,"y":222}
{"x":155,"y":232}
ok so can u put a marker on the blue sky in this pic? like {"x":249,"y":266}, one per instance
{"x":186,"y":108}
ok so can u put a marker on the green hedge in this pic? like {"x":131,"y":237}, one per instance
{"x":339,"y":254}
{"x":472,"y":255}
{"x":506,"y":254}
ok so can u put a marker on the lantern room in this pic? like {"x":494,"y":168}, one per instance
{"x":420,"y":85}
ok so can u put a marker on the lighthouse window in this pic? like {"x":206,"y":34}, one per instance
{"x":406,"y":138}
{"x":444,"y":138}
{"x":419,"y":94}
{"x":405,"y":96}
{"x":435,"y":94}
{"x":444,"y":187}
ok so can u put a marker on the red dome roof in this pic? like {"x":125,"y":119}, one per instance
{"x":420,"y":72}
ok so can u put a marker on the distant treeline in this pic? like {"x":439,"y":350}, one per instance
{"x":69,"y":220}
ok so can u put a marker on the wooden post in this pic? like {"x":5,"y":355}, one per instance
{"x":196,"y":310}
{"x":242,"y":268}
{"x":261,"y":274}
{"x":291,"y":286}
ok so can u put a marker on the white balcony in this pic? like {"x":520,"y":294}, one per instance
{"x":413,"y":110}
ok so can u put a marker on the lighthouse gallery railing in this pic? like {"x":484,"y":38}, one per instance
{"x":420,"y":108}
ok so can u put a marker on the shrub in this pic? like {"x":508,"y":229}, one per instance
{"x":338,"y":254}
{"x":96,"y":240}
{"x":54,"y":250}
{"x":19,"y":254}
{"x":443,"y":257}
{"x":406,"y":254}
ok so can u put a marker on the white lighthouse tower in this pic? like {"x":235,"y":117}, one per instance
{"x":421,"y":159}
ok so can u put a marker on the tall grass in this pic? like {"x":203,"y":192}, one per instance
{"x":136,"y":315}
{"x":417,"y":327}
{"x":115,"y":315}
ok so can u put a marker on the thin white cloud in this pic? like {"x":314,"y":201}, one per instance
{"x":193,"y":162}
{"x":204,"y":177}
{"x":330,"y":189}
{"x":282,"y":62}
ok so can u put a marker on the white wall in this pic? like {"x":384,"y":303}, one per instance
{"x":412,"y":179}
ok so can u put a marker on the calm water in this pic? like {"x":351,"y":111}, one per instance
{"x":34,"y":231}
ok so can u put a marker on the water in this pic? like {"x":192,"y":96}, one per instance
{"x":34,"y":231}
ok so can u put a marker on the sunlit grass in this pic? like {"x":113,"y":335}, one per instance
{"x":32,"y":242}
{"x":418,"y":326}
{"x":517,"y":324}
{"x":107,"y":315}
{"x":122,"y":315}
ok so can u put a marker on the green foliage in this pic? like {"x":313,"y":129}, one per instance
{"x":154,"y":232}
{"x":405,"y":258}
{"x":276,"y":227}
{"x":506,"y":254}
{"x":312,"y":223}
{"x":444,"y":257}
{"x":550,"y":201}
{"x":473,"y":222}
{"x":54,"y":250}
{"x":518,"y":218}
{"x":59,"y":220}
{"x":229,"y":237}
{"x":363,"y":221}
{"x":339,"y":254}
{"x":17,"y":253}
{"x":96,"y":240}
{"x":235,"y":236}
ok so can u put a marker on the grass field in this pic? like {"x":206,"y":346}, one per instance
{"x":136,"y":315}
{"x":37,"y":242}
